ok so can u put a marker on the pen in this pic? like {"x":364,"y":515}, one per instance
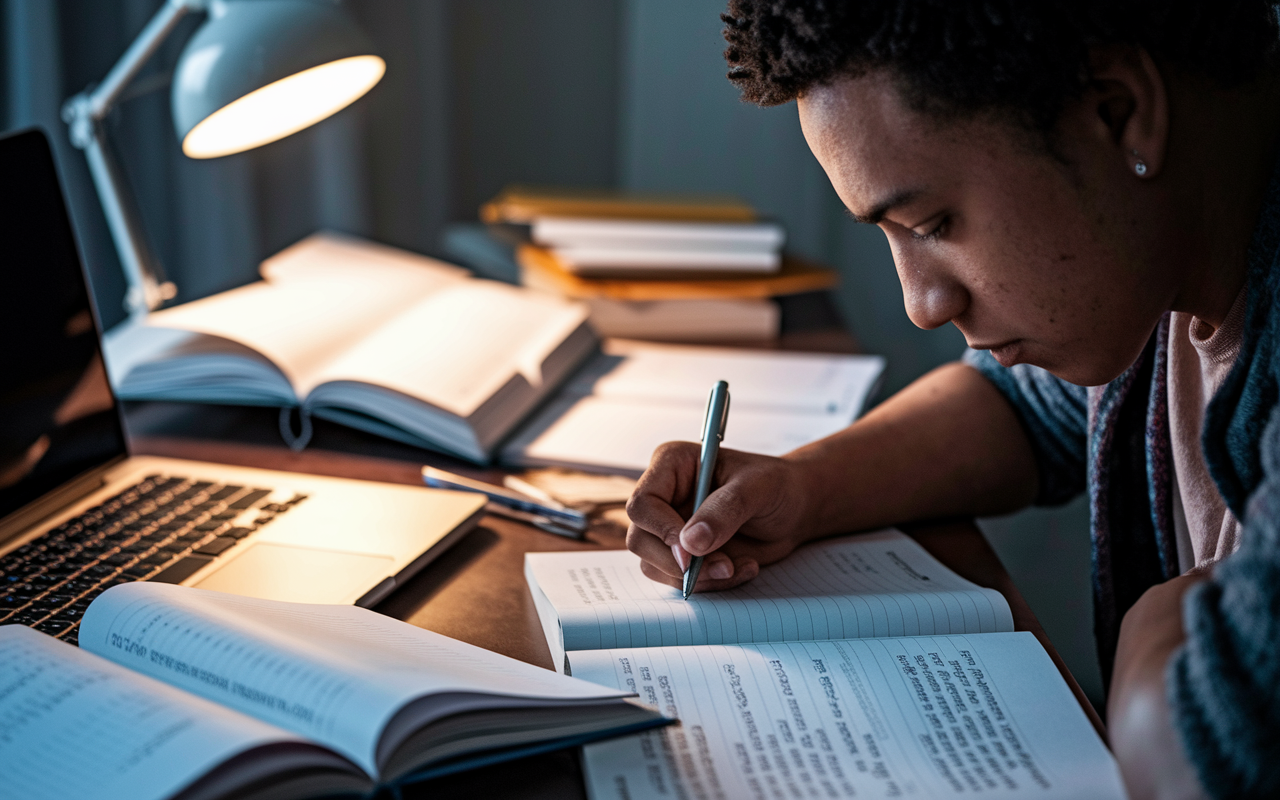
{"x":712,"y":434}
{"x":568,"y":521}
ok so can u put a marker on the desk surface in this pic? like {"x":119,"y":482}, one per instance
{"x":476,"y":591}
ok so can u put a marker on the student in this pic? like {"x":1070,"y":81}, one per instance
{"x":1087,"y":191}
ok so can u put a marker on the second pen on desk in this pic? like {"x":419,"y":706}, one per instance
{"x":712,"y":434}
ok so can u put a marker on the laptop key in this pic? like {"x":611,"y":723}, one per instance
{"x":218,"y":546}
{"x":247,"y":500}
{"x":179,"y":572}
{"x":237,"y":533}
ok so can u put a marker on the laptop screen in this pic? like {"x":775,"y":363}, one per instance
{"x":57,"y":414}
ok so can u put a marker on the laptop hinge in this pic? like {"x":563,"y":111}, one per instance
{"x":52,"y":502}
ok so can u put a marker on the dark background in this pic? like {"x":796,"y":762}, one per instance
{"x":478,"y":94}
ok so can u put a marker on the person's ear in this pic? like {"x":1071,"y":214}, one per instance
{"x":1127,"y":93}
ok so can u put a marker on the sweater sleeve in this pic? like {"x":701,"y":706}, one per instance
{"x":1224,"y":682}
{"x":1054,"y":415}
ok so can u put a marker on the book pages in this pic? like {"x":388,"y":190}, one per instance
{"x":869,"y":585}
{"x":934,"y":716}
{"x":75,"y":725}
{"x":335,"y":674}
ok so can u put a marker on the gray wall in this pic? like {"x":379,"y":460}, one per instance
{"x":480,"y":93}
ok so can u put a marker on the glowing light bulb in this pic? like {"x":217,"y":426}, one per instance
{"x":284,"y":107}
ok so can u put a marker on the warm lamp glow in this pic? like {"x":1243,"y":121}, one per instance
{"x":284,"y":107}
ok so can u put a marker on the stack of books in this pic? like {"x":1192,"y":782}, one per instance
{"x":681,"y":268}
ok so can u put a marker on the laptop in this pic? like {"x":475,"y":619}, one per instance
{"x":79,"y":514}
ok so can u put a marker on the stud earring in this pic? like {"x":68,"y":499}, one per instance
{"x":1141,"y":166}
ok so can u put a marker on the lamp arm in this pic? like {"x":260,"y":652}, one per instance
{"x":83,"y":114}
{"x":104,"y":96}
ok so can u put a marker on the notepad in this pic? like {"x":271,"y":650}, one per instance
{"x":856,"y":667}
{"x":636,"y":395}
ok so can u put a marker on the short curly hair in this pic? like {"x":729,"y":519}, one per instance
{"x":958,"y":57}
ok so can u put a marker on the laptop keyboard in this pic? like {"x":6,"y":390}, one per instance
{"x":162,"y":528}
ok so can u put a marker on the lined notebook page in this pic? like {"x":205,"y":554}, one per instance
{"x":335,"y":674}
{"x":75,"y":725}
{"x":937,"y":716}
{"x":877,"y":584}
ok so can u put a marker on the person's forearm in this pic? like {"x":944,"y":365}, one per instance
{"x":949,"y":444}
{"x":1140,"y":721}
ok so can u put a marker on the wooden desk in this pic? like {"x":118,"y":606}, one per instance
{"x":476,"y":591}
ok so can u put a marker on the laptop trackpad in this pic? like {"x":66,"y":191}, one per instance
{"x":299,"y":574}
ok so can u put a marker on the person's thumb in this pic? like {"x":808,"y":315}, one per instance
{"x":716,"y":520}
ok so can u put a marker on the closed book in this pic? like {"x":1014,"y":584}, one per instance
{"x":522,"y":204}
{"x":686,"y":320}
{"x":541,"y":268}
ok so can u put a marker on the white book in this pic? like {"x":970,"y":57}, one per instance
{"x":182,"y":691}
{"x":607,"y":260}
{"x":574,"y":231}
{"x":856,"y":667}
{"x":637,"y":395}
{"x":367,"y":335}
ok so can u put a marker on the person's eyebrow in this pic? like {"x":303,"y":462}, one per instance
{"x":894,"y":200}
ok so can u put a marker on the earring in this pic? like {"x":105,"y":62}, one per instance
{"x":1141,"y":167}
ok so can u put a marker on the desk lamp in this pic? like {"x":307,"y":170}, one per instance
{"x":255,"y":72}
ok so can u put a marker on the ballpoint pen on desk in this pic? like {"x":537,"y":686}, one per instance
{"x":551,"y":518}
{"x":712,"y":434}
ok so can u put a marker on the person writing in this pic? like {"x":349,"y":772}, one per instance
{"x":1088,"y":191}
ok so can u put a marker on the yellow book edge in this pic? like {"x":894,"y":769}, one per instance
{"x":541,"y":269}
{"x":521,"y":204}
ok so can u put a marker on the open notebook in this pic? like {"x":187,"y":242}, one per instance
{"x":367,"y":335}
{"x":855,"y":667}
{"x":636,"y":395}
{"x":183,"y":691}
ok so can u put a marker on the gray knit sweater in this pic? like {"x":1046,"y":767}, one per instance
{"x":1113,"y":441}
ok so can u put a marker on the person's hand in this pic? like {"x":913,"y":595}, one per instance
{"x":755,"y":516}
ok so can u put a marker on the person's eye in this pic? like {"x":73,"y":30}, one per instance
{"x":936,"y":232}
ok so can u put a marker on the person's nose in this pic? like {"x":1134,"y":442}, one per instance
{"x":932,"y":296}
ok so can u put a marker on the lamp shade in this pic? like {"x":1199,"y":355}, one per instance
{"x":259,"y":70}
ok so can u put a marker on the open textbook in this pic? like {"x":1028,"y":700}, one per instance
{"x":636,"y":395}
{"x":858,"y":666}
{"x":177,"y":691}
{"x":366,"y":335}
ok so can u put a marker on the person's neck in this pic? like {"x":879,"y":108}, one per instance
{"x":1230,"y":140}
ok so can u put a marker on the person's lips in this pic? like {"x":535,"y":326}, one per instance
{"x":1007,"y":353}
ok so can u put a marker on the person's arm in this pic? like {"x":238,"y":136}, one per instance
{"x":1140,"y":721}
{"x":948,"y":445}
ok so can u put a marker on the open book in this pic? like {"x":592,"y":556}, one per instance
{"x":636,"y":395}
{"x":183,"y":692}
{"x":370,"y":336}
{"x":856,"y":666}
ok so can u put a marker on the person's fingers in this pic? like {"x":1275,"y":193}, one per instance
{"x":719,"y":518}
{"x":654,"y":574}
{"x":652,"y":551}
{"x":743,"y":570}
{"x":664,"y":485}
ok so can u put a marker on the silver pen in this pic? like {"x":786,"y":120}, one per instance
{"x":712,"y":434}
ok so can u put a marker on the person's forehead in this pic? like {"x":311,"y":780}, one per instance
{"x":877,"y":148}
